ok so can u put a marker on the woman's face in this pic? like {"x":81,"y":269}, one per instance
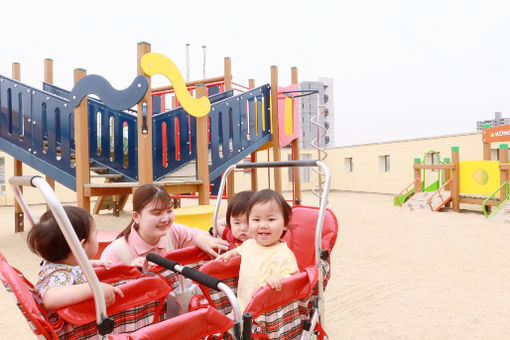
{"x":154,"y":220}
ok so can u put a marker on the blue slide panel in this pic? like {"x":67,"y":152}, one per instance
{"x":239,"y":126}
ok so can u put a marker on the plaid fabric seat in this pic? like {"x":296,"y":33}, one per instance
{"x":276,"y":315}
{"x":192,"y":257}
{"x":143,"y":304}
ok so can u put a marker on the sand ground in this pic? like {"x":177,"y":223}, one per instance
{"x":396,"y":274}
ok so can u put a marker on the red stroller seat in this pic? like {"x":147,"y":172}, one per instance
{"x":142,"y":304}
{"x":283,"y":315}
{"x":194,"y":325}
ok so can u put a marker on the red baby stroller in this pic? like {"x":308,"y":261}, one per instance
{"x":297,"y":311}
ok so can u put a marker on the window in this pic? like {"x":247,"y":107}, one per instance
{"x":433,"y":158}
{"x":384,"y":163}
{"x":305,"y":171}
{"x":348,"y":166}
{"x":494,"y":155}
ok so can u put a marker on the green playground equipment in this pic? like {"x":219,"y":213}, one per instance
{"x":407,"y":193}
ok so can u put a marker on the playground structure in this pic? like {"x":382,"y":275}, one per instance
{"x":480,"y":182}
{"x":128,"y":148}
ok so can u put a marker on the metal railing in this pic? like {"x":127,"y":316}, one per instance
{"x":407,"y":190}
{"x":492,"y":197}
{"x":443,"y":201}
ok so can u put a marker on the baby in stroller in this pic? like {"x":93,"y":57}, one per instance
{"x":265,"y":259}
{"x":61,"y":281}
{"x":234,"y":227}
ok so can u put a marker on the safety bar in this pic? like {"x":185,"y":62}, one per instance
{"x":302,"y":93}
{"x":205,"y":279}
{"x":407,"y":190}
{"x":492,"y":196}
{"x":322,"y":208}
{"x":105,"y":324}
{"x":438,"y":193}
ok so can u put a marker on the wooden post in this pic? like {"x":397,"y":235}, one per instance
{"x":274,"y":124}
{"x":455,"y":179}
{"x":447,"y":176}
{"x":19,"y":216}
{"x":81,"y":140}
{"x":254,"y":178}
{"x":417,"y":175}
{"x":296,"y":149}
{"x":227,"y":70}
{"x":48,"y":77}
{"x":486,"y":151}
{"x":144,"y":132}
{"x":202,"y":151}
{"x":503,"y":159}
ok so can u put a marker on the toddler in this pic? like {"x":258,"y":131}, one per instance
{"x":234,"y":227}
{"x":61,"y":281}
{"x":265,"y":259}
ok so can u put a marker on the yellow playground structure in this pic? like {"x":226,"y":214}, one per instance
{"x":481,"y":182}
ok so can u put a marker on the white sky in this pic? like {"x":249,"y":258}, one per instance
{"x":401,"y":69}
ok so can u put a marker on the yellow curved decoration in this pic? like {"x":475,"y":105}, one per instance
{"x":156,"y":63}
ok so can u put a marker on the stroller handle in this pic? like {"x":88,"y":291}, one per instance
{"x":277,"y":164}
{"x":202,"y":278}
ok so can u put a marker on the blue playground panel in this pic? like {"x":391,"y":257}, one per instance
{"x":31,"y":118}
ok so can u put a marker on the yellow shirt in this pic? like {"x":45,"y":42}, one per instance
{"x":258,"y":263}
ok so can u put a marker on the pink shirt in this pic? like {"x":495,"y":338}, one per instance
{"x":182,"y":236}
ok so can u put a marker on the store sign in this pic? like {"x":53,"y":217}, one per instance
{"x":496,"y":134}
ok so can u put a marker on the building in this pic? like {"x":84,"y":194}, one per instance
{"x":309,"y":108}
{"x":497,"y":121}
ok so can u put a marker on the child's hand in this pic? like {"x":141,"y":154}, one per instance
{"x":208,"y":243}
{"x":227,"y":256}
{"x":100,"y":263}
{"x":109,"y":292}
{"x":275,"y":281}
{"x":138,"y":262}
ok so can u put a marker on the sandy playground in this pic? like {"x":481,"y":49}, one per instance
{"x":396,"y":274}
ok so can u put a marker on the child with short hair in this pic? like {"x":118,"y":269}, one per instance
{"x":61,"y":281}
{"x":265,"y":259}
{"x":234,"y":227}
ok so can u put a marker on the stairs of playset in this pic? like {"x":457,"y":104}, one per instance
{"x":419,"y":201}
{"x":429,"y":201}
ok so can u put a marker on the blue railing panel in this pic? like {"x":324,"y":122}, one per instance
{"x":187,"y":148}
{"x":47,"y":87}
{"x":52,"y":121}
{"x":230,"y":141}
{"x":29,"y":118}
{"x":187,"y":137}
{"x":103,"y":155}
